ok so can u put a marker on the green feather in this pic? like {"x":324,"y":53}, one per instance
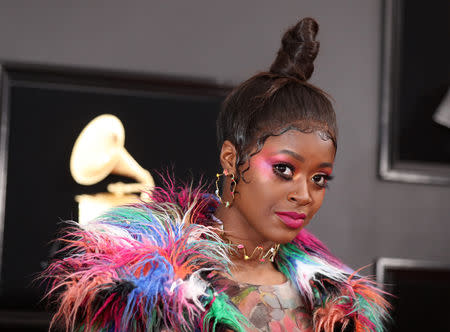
{"x":222,"y":311}
{"x":371,"y":311}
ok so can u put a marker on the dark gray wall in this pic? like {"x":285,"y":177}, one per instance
{"x":228,"y":41}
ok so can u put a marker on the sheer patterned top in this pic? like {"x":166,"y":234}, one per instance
{"x":271,"y":308}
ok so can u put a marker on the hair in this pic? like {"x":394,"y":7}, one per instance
{"x":275,"y":101}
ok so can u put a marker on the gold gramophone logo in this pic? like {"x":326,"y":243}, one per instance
{"x":99,"y":151}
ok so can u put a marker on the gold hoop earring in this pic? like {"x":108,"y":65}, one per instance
{"x":232,"y":187}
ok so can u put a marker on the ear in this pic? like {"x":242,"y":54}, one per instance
{"x":228,"y":157}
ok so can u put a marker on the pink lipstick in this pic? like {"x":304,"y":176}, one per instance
{"x":292,"y":219}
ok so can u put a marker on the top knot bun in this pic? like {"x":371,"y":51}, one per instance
{"x":298,"y":50}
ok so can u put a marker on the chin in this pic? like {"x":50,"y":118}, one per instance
{"x":284,"y":236}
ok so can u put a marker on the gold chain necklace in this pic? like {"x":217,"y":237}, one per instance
{"x":258,"y":252}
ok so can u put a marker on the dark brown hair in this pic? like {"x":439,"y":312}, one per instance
{"x":273,"y":102}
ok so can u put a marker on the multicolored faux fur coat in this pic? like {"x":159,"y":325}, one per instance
{"x":153,"y":266}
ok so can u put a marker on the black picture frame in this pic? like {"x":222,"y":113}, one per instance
{"x":415,"y":78}
{"x":408,"y":282}
{"x":169,"y":127}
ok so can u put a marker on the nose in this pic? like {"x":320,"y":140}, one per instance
{"x":300,"y":193}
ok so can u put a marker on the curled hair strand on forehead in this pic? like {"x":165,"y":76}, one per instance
{"x":259,"y":144}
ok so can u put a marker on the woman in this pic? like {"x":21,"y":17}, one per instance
{"x":240,"y":260}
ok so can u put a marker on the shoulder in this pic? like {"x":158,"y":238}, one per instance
{"x":335,"y":293}
{"x":148,"y":264}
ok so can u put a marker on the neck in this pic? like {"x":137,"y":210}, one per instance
{"x":251,"y":271}
{"x":249,"y":246}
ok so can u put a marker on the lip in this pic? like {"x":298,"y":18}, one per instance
{"x":292,"y":219}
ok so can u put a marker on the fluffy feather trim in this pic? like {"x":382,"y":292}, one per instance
{"x":339,"y":298}
{"x":140,"y":268}
{"x":153,"y":266}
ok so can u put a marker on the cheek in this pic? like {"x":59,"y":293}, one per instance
{"x":318,"y":200}
{"x":262,"y":170}
{"x":257,"y":191}
{"x":258,"y":180}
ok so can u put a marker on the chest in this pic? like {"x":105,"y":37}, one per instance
{"x":271,"y":308}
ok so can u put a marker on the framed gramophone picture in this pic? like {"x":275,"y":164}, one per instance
{"x":414,"y":132}
{"x":112,"y":128}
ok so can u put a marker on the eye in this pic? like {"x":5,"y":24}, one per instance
{"x":321,"y":180}
{"x":286,"y":171}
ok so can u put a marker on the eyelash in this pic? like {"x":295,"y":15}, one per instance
{"x":277,"y":171}
{"x":325,"y":177}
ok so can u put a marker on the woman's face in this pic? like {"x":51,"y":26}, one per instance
{"x":284,"y":186}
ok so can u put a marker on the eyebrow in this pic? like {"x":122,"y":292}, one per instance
{"x":302,"y":159}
